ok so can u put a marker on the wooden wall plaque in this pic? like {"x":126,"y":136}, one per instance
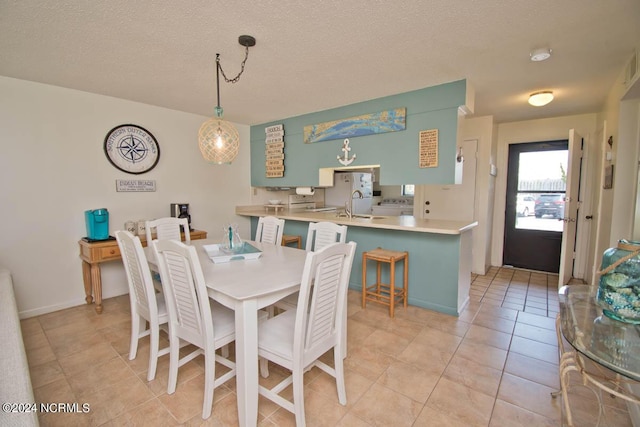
{"x":274,"y":151}
{"x":428,"y":149}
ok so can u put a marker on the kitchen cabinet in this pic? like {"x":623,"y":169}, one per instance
{"x":396,"y":153}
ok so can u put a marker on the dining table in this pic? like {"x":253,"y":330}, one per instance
{"x":246,"y":286}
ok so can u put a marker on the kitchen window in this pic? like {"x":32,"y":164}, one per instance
{"x":408,"y":190}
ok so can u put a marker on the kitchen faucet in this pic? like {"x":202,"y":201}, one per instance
{"x":349,"y":210}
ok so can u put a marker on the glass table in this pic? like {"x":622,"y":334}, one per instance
{"x":609,"y":343}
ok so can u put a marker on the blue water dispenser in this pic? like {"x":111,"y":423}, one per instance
{"x":97,"y":222}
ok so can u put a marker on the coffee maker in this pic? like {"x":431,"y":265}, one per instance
{"x":181,"y":210}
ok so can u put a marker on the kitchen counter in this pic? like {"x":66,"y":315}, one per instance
{"x":401,"y":223}
{"x":439,"y":251}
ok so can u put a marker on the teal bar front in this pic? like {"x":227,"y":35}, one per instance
{"x":434,"y":263}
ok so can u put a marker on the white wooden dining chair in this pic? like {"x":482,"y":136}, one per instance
{"x":296,"y":339}
{"x":147,"y":305}
{"x":319,"y":235}
{"x":269,"y":230}
{"x":193,"y":317}
{"x":168,"y":228}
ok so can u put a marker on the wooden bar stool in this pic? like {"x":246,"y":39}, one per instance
{"x":288,"y":239}
{"x":383,"y":293}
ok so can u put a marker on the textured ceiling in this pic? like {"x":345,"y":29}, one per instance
{"x":314,"y":55}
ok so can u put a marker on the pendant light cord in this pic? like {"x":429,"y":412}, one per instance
{"x":236,"y":78}
{"x":220,"y":70}
{"x":218,"y":78}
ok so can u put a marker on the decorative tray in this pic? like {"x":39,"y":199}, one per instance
{"x":219,"y":255}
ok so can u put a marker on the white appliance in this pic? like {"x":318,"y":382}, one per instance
{"x":344,"y":185}
{"x":394,"y":207}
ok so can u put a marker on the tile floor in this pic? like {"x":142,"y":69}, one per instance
{"x":495,"y":365}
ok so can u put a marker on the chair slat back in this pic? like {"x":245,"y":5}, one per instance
{"x":324,"y":233}
{"x":270,"y":230}
{"x":320,"y":327}
{"x":168,"y":229}
{"x":141,"y":290}
{"x":185,"y":291}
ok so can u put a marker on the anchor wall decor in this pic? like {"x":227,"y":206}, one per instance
{"x":345,"y":160}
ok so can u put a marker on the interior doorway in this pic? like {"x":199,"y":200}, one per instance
{"x":535,"y":205}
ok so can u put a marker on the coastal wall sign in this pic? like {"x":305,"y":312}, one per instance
{"x":274,"y":151}
{"x":135,"y":185}
{"x":367,"y":124}
{"x":428,"y":149}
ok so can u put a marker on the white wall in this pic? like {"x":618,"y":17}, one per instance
{"x":481,"y":129}
{"x":532,"y":131}
{"x":53,"y":168}
{"x":633,"y":129}
{"x":625,"y":171}
{"x":608,"y":121}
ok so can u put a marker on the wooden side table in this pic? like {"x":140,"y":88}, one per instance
{"x":95,"y":253}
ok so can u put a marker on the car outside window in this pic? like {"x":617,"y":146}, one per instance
{"x":549,"y":205}
{"x":525,"y":204}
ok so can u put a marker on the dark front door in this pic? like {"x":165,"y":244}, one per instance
{"x":536,"y":185}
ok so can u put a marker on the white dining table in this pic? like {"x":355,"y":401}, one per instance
{"x":246,"y":286}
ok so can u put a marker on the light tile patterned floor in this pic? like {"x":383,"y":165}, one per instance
{"x":495,"y":365}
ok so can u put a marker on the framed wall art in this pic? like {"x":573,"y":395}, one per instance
{"x":367,"y":124}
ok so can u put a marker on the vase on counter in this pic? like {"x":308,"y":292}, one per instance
{"x":231,"y":241}
{"x":619,"y":285}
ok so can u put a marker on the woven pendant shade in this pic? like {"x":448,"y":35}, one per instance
{"x":218,"y":141}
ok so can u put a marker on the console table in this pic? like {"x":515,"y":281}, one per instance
{"x":96,"y":252}
{"x":610,"y":343}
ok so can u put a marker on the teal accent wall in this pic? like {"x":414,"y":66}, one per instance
{"x":434,"y":107}
{"x":433,"y":262}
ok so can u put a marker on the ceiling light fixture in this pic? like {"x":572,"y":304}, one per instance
{"x":541,"y":54}
{"x":218,"y":139}
{"x":538,"y":99}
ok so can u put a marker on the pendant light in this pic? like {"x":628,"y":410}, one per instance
{"x":218,"y":139}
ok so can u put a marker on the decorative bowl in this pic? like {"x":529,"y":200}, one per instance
{"x":237,"y":248}
{"x":275,"y":202}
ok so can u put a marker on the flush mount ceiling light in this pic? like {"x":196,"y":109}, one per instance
{"x":538,"y":99}
{"x":218,"y":139}
{"x":541,"y":54}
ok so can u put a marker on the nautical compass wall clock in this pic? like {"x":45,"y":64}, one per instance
{"x":132,"y":149}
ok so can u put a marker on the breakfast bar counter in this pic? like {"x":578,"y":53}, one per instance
{"x":401,"y":223}
{"x":439,"y":250}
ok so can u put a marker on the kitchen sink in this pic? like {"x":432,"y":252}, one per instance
{"x":369,"y":216}
{"x":342,"y":214}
